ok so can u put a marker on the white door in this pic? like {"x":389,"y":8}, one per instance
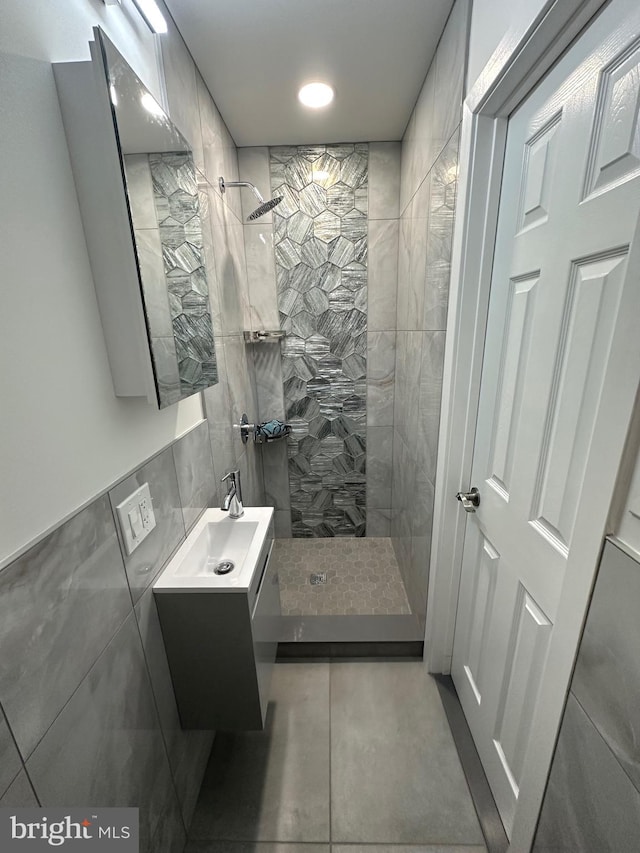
{"x":564,"y":315}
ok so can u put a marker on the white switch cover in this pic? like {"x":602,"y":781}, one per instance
{"x":136,"y":518}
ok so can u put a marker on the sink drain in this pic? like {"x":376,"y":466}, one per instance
{"x":224,"y":567}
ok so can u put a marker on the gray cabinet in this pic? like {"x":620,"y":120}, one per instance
{"x":221,"y":646}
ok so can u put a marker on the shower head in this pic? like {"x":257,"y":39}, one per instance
{"x":263,"y":207}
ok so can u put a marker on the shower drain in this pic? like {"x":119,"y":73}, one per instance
{"x":224,"y":567}
{"x":318,"y":578}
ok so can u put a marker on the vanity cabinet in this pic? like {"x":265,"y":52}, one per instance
{"x":221,"y":645}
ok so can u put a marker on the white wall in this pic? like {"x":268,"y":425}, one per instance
{"x":497,"y":25}
{"x":64,"y":436}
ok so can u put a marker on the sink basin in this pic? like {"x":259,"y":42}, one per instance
{"x":216,"y":539}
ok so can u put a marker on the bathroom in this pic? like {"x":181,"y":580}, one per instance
{"x":83,"y":658}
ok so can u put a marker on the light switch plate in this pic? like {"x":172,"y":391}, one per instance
{"x":136,"y":518}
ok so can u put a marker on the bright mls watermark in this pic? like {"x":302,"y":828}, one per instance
{"x":104,"y":830}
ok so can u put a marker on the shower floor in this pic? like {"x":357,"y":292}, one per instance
{"x":362,"y":577}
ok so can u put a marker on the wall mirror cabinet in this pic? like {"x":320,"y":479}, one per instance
{"x":138,"y":192}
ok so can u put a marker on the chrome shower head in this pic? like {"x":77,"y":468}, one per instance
{"x":264,"y":207}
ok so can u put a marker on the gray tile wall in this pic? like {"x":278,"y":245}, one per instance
{"x":592,"y":802}
{"x":382,"y":229}
{"x":320,"y":237}
{"x":428,"y":186}
{"x":87,"y":711}
{"x":83,"y":660}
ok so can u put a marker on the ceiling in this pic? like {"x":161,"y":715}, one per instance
{"x":255,"y":54}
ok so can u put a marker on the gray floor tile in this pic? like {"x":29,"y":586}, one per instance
{"x":403,"y":848}
{"x":254,"y":847}
{"x":395,"y":774}
{"x":273,"y":785}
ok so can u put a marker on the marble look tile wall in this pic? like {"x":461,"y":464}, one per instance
{"x":83,"y":660}
{"x":428,"y":184}
{"x":592,"y":801}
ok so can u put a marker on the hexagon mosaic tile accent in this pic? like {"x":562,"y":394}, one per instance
{"x":175,"y":193}
{"x":362,"y":578}
{"x":320,"y":231}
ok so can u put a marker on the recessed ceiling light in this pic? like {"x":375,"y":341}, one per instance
{"x":315,"y":95}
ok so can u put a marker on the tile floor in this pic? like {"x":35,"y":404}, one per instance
{"x":355,"y":758}
{"x":363,"y":577}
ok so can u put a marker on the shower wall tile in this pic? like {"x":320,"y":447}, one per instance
{"x":428,"y":183}
{"x":276,"y":477}
{"x":70,"y":586}
{"x":429,"y":398}
{"x":156,"y":298}
{"x":423,"y":149}
{"x":444,"y":181}
{"x":253,"y":166}
{"x":381,"y":363}
{"x":384,"y":180}
{"x":449,"y":74}
{"x":194,"y":469}
{"x":282,"y":524}
{"x":250,"y":464}
{"x":140,"y":191}
{"x":321,"y":272}
{"x":267,"y":366}
{"x":181,"y":88}
{"x":19,"y":794}
{"x":378,"y":522}
{"x":105,"y":748}
{"x":220,"y":156}
{"x":10,"y":761}
{"x":438,"y":109}
{"x":382,"y":274}
{"x":261,"y":275}
{"x":228,"y":247}
{"x":150,"y":556}
{"x":379,"y":469}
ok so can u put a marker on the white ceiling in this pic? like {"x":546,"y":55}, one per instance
{"x":255,"y":54}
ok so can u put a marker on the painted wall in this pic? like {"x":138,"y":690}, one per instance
{"x":428,"y":185}
{"x":65,"y":436}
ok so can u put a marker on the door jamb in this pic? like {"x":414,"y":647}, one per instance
{"x":509,"y":76}
{"x":520,"y":61}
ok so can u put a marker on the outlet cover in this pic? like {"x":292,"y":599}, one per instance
{"x":136,"y":518}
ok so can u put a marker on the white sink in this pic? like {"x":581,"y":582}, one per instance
{"x":217,"y":538}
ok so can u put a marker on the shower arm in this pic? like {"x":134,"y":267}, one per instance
{"x":224,"y":184}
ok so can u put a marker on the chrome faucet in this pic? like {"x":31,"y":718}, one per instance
{"x":232,"y":502}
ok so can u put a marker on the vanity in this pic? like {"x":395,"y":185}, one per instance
{"x":218,"y":601}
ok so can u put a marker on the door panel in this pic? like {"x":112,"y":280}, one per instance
{"x":565,"y":283}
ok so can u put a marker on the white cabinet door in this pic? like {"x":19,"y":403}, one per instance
{"x":560,"y":375}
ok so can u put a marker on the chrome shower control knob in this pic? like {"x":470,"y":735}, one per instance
{"x":469,"y":500}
